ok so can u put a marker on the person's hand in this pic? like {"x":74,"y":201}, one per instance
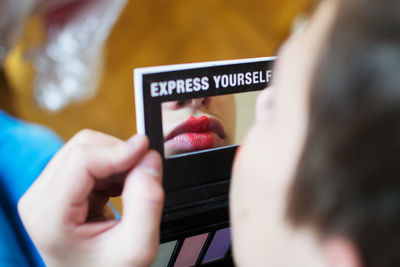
{"x":63,"y":210}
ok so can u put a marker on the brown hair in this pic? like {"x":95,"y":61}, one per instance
{"x":348,"y":178}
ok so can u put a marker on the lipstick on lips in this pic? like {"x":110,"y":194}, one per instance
{"x":196,"y":134}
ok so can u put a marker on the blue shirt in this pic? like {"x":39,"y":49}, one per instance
{"x":25,"y":149}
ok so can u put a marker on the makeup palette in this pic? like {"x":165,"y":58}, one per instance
{"x":207,"y":249}
{"x":190,"y":114}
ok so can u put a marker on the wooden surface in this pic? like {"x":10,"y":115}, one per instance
{"x":152,"y":32}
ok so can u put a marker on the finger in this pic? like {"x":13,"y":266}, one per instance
{"x":93,"y":137}
{"x":143,"y":199}
{"x":86,"y":164}
{"x":70,"y":178}
{"x":84,"y":137}
{"x":82,"y":166}
{"x":93,"y":229}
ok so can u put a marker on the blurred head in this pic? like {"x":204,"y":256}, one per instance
{"x":348,"y":179}
{"x":333,"y":134}
{"x":198,"y":124}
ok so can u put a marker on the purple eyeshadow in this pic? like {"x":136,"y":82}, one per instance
{"x":219,"y":245}
{"x":190,"y":250}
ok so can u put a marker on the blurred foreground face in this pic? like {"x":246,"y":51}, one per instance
{"x":268,"y":158}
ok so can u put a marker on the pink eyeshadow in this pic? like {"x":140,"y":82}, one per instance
{"x":190,"y":250}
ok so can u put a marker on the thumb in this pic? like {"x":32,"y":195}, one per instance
{"x":143,"y":199}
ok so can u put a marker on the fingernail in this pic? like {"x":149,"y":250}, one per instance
{"x":151,"y":164}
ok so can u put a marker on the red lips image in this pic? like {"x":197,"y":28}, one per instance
{"x":196,"y":134}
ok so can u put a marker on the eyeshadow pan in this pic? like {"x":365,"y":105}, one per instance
{"x":219,"y":245}
{"x":190,"y":250}
{"x":164,"y":254}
